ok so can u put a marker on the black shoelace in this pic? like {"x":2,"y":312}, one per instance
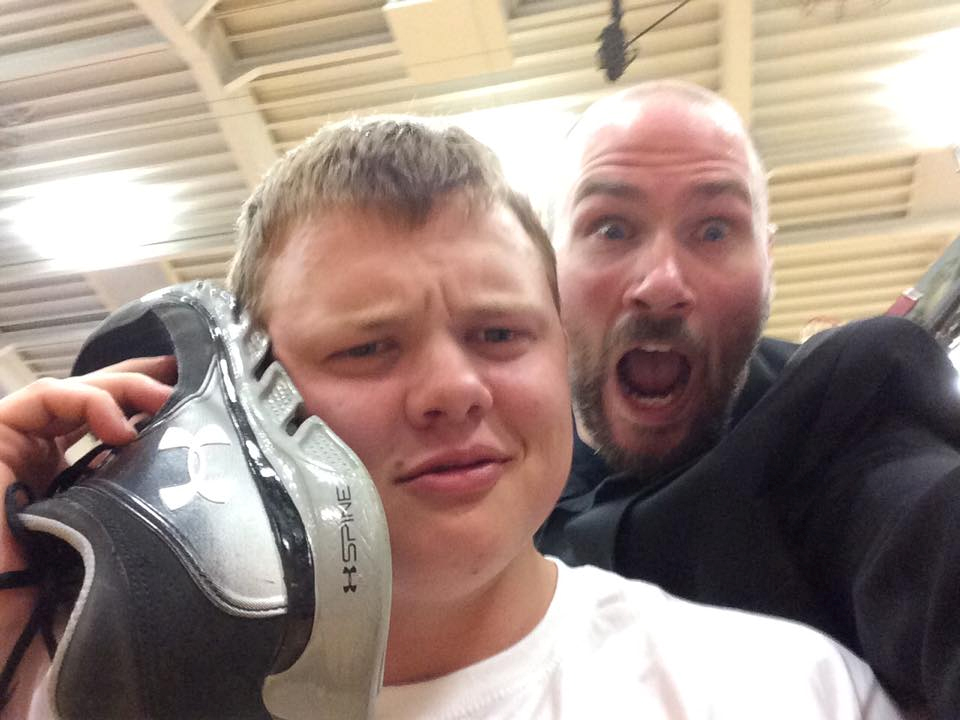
{"x":40,"y":572}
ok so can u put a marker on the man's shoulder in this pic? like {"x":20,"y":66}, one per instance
{"x":878,"y":343}
{"x":766,"y":365}
{"x":774,"y":353}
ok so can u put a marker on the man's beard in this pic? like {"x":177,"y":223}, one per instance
{"x":723,"y":379}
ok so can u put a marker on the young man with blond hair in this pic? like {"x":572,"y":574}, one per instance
{"x":411,"y":297}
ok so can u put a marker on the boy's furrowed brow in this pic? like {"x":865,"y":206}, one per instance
{"x":619,"y":190}
{"x":497,"y":309}
{"x":378,"y":322}
{"x":367,"y":320}
{"x":525,"y":311}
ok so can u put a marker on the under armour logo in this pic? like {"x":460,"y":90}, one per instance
{"x":349,"y":571}
{"x":212,"y":488}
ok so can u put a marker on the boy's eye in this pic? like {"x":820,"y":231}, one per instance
{"x":364,"y":359}
{"x":502,"y":343}
{"x":364,"y":350}
{"x":497,"y":335}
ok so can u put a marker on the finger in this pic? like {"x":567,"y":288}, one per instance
{"x":134,"y":392}
{"x":27,"y":459}
{"x":49,"y":408}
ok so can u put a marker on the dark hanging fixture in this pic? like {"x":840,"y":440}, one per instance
{"x":615,"y":54}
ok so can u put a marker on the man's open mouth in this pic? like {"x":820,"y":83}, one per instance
{"x":653,"y":374}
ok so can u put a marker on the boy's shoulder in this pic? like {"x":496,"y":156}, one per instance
{"x":730,"y":658}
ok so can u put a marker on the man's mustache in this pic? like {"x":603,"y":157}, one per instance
{"x":633,"y":329}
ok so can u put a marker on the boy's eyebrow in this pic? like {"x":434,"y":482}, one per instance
{"x":364,"y":319}
{"x":372,"y":324}
{"x":497,"y":311}
{"x":375,"y":320}
{"x":502,"y":307}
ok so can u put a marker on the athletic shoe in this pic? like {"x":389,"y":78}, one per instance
{"x":233,"y":561}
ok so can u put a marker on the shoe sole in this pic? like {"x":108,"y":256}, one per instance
{"x":341,"y":668}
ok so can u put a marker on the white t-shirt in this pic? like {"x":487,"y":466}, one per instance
{"x":615,"y":648}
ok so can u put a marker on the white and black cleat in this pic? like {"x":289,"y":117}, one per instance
{"x":235,"y":559}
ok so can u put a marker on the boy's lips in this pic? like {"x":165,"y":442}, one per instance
{"x":454,"y":472}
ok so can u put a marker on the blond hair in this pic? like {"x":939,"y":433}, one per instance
{"x":396,"y":167}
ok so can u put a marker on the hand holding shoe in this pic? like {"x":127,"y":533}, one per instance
{"x":40,"y":421}
{"x":37,"y":424}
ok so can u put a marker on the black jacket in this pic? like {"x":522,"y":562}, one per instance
{"x":833,"y":500}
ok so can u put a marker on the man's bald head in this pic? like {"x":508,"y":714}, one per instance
{"x":628,"y":106}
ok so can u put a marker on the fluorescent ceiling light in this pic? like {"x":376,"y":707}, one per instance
{"x":93,"y":221}
{"x":527,"y":139}
{"x":921,"y":91}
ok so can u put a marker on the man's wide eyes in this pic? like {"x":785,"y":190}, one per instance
{"x":714,"y":231}
{"x":610,"y":229}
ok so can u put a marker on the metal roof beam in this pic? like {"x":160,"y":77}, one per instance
{"x":87,"y":51}
{"x":14,"y":373}
{"x":192,"y":12}
{"x":736,"y":56}
{"x":940,"y":223}
{"x":206,"y":52}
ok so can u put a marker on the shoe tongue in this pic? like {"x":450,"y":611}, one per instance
{"x":652,"y":373}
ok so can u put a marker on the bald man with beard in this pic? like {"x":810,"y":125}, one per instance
{"x":818,"y":484}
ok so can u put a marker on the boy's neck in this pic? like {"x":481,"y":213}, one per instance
{"x":429,"y":639}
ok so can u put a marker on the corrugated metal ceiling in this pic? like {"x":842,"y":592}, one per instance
{"x":198,"y":96}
